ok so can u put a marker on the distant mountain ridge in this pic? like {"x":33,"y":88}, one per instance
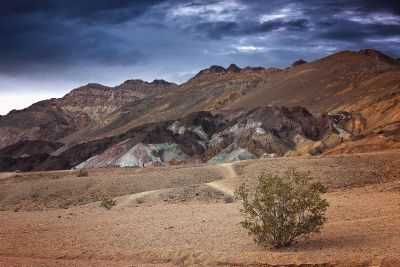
{"x":56,"y":118}
{"x":216,"y":70}
{"x":355,"y":94}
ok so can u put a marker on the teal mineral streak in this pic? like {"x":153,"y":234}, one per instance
{"x":236,"y":155}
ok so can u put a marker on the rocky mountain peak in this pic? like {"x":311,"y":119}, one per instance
{"x":371,"y":52}
{"x":137,"y":85}
{"x":219,"y":70}
{"x":91,"y":86}
{"x":248,"y":69}
{"x":298,"y":63}
{"x":378,"y":55}
{"x":214,"y":69}
{"x":88,"y":89}
{"x":133,"y":81}
{"x":94,"y":85}
{"x":162,"y":82}
{"x":139,"y":82}
{"x":233,"y":68}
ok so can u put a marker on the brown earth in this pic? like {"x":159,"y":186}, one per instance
{"x":211,"y":89}
{"x":328,"y":84}
{"x":52,"y":119}
{"x":198,"y":136}
{"x":344,"y":81}
{"x":361,"y":90}
{"x":179,"y":216}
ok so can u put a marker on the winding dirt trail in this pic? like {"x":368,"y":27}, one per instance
{"x":224,"y":186}
{"x":126,"y":200}
{"x":228,"y":172}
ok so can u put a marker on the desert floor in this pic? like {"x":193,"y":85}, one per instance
{"x":172,"y":216}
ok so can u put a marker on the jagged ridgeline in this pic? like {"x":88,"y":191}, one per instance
{"x":344,"y":103}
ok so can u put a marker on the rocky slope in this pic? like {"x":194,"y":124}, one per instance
{"x":53,"y":119}
{"x":211,"y":89}
{"x":330,"y":84}
{"x":350,"y":104}
{"x":199,"y":137}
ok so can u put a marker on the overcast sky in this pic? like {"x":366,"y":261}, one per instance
{"x":48,"y":47}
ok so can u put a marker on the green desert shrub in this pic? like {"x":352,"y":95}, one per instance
{"x":229,"y":199}
{"x":139,"y":200}
{"x":107,"y":202}
{"x":83,"y":173}
{"x":283,"y":207}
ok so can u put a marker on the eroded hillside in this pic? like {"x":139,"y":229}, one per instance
{"x":53,"y":119}
{"x":345,"y":103}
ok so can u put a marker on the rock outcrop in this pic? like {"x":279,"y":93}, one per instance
{"x":56,"y":118}
{"x":233,"y":69}
{"x":378,"y":56}
{"x":204,"y":136}
{"x":215,"y":70}
{"x":298,"y":63}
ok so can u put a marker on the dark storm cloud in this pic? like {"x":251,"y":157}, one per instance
{"x":58,"y":33}
{"x":344,"y":30}
{"x":375,"y":5}
{"x":328,"y":19}
{"x":335,"y":22}
{"x":217,"y":30}
{"x":291,"y":25}
{"x":48,"y":35}
{"x":108,"y":11}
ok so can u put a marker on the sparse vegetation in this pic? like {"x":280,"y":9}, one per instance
{"x":229,"y":199}
{"x":283,"y":207}
{"x":63,"y":206}
{"x":83,"y":173}
{"x":107,"y":202}
{"x":139,"y":200}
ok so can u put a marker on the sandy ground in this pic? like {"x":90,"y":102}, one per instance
{"x":60,"y":189}
{"x":190,"y":224}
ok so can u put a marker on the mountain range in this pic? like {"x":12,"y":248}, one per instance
{"x":346,"y":102}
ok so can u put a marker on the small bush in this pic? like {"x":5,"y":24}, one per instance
{"x":139,"y":200}
{"x":283,"y":208}
{"x":83,"y":173}
{"x":229,"y":199}
{"x":107,"y":202}
{"x":63,"y":206}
